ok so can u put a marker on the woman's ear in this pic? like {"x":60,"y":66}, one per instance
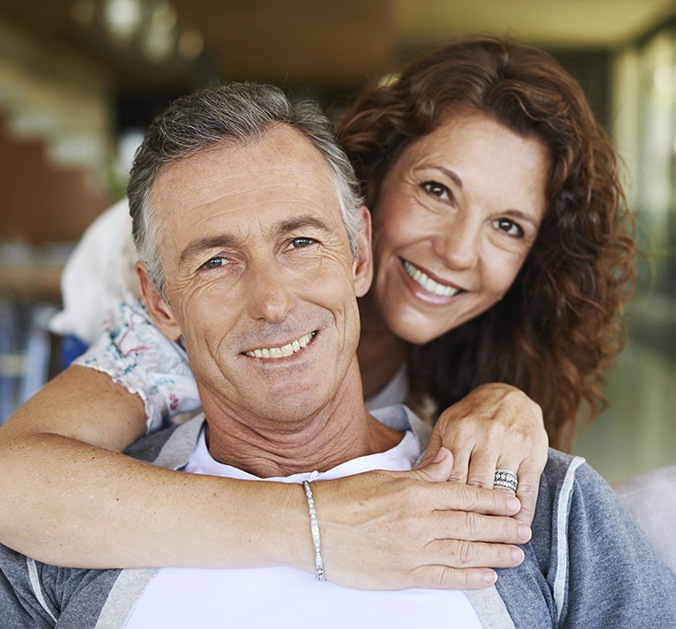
{"x":159,"y":309}
{"x":362,"y":268}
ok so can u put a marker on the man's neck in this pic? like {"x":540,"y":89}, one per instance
{"x":340,"y":431}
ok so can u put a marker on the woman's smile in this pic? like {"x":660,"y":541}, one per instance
{"x":455,"y":218}
{"x":427,"y":283}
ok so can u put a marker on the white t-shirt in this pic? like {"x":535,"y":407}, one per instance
{"x":286,"y":597}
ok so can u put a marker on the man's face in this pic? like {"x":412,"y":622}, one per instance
{"x":259,"y":276}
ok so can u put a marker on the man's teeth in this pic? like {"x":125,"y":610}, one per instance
{"x":284,"y":350}
{"x":427,"y":282}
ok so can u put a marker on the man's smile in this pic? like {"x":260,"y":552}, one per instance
{"x":284,"y":350}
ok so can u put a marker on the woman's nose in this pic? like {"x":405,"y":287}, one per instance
{"x":458,"y":241}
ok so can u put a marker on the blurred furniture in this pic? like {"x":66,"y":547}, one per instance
{"x":25,"y":351}
{"x":31,"y":280}
{"x":651,"y":499}
{"x":29,"y":296}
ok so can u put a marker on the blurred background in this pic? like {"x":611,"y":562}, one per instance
{"x":80,"y":79}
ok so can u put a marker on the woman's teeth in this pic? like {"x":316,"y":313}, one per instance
{"x":284,"y":350}
{"x":427,"y":282}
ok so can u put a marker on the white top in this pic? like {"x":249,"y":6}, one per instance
{"x":289,"y":598}
{"x":98,"y":275}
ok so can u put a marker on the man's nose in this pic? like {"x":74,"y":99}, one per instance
{"x":270,"y":294}
{"x":457,"y":243}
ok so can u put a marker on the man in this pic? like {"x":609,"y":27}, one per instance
{"x":254,"y":250}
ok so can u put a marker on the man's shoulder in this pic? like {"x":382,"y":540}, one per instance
{"x":170,"y":447}
{"x":401,"y":418}
{"x":559,"y":464}
{"x":35,"y":594}
{"x":569,"y":472}
{"x":572,"y":493}
{"x":560,"y":477}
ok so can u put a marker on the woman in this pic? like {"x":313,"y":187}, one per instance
{"x":556,"y":330}
{"x":462,"y":264}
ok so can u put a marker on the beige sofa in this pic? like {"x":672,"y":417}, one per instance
{"x":651,"y":499}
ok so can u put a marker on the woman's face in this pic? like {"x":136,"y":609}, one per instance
{"x":455,"y":218}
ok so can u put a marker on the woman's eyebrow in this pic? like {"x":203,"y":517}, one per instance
{"x":525,"y":216}
{"x":443,"y":170}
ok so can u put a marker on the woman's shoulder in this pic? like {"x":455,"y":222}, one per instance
{"x":137,"y":356}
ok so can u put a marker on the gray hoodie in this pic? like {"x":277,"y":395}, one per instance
{"x":587,"y":565}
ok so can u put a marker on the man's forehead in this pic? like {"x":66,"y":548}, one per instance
{"x":273,"y":180}
{"x":275,"y":147}
{"x":283,"y":158}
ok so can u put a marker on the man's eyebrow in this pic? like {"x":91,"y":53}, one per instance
{"x":299,"y":223}
{"x":202,"y":244}
{"x":228,"y":240}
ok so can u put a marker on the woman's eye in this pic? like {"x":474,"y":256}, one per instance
{"x":436,"y":189}
{"x":509,"y":227}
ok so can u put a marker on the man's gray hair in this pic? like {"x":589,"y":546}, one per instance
{"x":236,"y":113}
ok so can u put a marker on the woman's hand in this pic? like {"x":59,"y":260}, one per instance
{"x":394,"y":530}
{"x":495,"y":426}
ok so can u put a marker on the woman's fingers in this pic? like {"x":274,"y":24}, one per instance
{"x":495,"y":427}
{"x":529,"y":485}
{"x":393,"y":530}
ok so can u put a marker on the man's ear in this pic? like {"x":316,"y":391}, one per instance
{"x":159,"y":309}
{"x":362,"y":267}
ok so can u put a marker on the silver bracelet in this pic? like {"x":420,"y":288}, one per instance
{"x":314,"y":528}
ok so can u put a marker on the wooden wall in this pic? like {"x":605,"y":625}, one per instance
{"x":41,"y":202}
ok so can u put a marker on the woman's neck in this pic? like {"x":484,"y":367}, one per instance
{"x":381,"y":353}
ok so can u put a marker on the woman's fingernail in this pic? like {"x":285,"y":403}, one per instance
{"x":517,"y":555}
{"x":489,"y":577}
{"x":513,"y":504}
{"x":524,"y":532}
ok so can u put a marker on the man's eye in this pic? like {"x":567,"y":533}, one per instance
{"x":299,"y":243}
{"x":214,"y":263}
{"x":509,"y":227}
{"x":436,"y":189}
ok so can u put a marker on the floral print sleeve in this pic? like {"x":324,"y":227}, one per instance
{"x":136,"y":355}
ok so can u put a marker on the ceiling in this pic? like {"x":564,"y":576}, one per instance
{"x":330,"y":43}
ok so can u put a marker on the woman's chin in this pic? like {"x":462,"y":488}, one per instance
{"x":417,"y":331}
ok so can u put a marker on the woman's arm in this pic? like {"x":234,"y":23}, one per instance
{"x":70,"y":498}
{"x":495,"y":426}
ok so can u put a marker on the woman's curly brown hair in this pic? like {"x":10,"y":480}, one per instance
{"x":559,"y":327}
